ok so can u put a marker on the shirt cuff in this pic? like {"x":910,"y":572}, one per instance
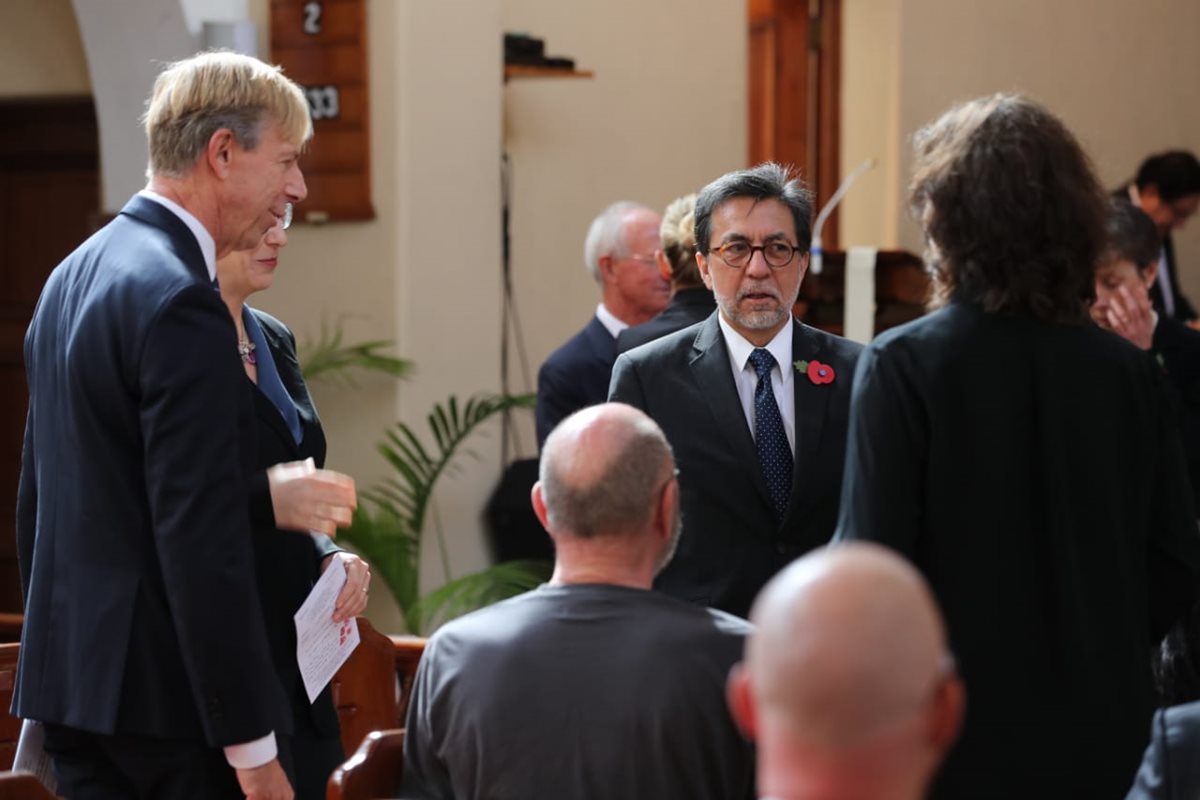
{"x":249,"y":755}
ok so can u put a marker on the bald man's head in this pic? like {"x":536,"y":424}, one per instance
{"x":602,"y":470}
{"x":848,"y":662}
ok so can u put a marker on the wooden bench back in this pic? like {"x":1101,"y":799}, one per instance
{"x":10,"y":726}
{"x":373,"y":772}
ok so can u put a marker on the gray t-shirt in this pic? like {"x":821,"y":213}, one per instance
{"x":584,"y":692}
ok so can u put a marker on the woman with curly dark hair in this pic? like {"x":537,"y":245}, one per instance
{"x":1058,"y":553}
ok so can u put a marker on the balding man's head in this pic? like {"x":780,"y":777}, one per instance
{"x":848,"y":668}
{"x":602,"y":473}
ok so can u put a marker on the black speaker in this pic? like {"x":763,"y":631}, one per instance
{"x":514,"y":528}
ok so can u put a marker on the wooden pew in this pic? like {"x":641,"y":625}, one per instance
{"x":10,"y":627}
{"x":10,"y":726}
{"x":371,"y":690}
{"x":20,"y":786}
{"x":373,"y":772}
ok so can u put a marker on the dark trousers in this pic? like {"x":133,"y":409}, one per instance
{"x":92,"y":766}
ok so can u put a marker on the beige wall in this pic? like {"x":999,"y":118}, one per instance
{"x":1120,"y":74}
{"x":664,"y":114}
{"x":40,"y":50}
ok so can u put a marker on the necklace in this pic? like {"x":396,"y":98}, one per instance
{"x":246,"y":351}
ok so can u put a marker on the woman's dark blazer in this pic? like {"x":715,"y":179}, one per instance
{"x":288,"y":562}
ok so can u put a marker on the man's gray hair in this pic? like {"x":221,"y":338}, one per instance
{"x":620,"y":496}
{"x":767,"y":181}
{"x":606,"y":236}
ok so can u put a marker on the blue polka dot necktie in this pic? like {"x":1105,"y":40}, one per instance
{"x":774,"y":453}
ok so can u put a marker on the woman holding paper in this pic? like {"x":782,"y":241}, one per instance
{"x":293,"y":506}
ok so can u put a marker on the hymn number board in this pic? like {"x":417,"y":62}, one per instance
{"x":321,"y":44}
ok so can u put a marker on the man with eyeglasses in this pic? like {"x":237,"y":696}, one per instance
{"x":754,"y":403}
{"x":1167,"y":188}
{"x":619,"y":253}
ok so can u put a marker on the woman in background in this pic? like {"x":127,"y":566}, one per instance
{"x":1027,"y":462}
{"x":293,"y":504}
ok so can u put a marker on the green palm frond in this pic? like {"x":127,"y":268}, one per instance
{"x":388,"y":529}
{"x":393,"y":549}
{"x":418,"y":467}
{"x":328,"y":359}
{"x":476,"y":590}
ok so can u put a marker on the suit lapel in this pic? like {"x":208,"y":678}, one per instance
{"x":714,"y":382}
{"x":811,"y":401}
{"x":292,"y":383}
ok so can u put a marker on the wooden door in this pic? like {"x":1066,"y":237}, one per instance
{"x":794,"y":64}
{"x":49,"y":195}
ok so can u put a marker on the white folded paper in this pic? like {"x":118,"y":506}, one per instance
{"x":322,"y":645}
{"x":32,"y":757}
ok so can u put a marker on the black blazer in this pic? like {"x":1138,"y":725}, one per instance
{"x":1033,"y":472}
{"x":687,"y":307}
{"x":1170,"y":767}
{"x":1179,"y":347}
{"x":1184,"y":311}
{"x":288,"y":563}
{"x":574,"y":376}
{"x":731,"y":543}
{"x":132,"y":528}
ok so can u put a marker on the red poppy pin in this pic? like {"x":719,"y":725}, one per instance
{"x":817,"y":372}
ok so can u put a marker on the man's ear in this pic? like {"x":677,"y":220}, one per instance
{"x":1150,"y":273}
{"x":702,"y":263}
{"x":664,"y":514}
{"x":539,"y":505}
{"x":219,"y":152}
{"x":664,"y":266}
{"x":946,"y":713}
{"x":739,"y":695}
{"x":604,"y":265}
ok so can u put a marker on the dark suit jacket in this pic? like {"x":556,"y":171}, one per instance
{"x":1184,"y":311}
{"x":574,"y":376}
{"x":731,"y":543}
{"x":687,"y":307}
{"x":1179,"y":347}
{"x":288,"y":563}
{"x":1170,"y":768}
{"x":133,"y":535}
{"x":1033,"y":473}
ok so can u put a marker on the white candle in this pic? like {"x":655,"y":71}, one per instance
{"x":860,"y":294}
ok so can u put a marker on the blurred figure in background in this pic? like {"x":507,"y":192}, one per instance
{"x":691,"y":300}
{"x":619,"y":254}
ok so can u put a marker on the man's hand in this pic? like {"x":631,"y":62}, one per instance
{"x":1131,"y":316}
{"x":268,"y":782}
{"x":352,"y":600}
{"x":309,"y":499}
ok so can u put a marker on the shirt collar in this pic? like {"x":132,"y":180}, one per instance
{"x":610,"y":322}
{"x":740,"y":349}
{"x":208,"y":247}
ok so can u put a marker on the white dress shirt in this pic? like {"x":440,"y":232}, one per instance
{"x":609,"y":321}
{"x":258,"y":752}
{"x":783,"y":376}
